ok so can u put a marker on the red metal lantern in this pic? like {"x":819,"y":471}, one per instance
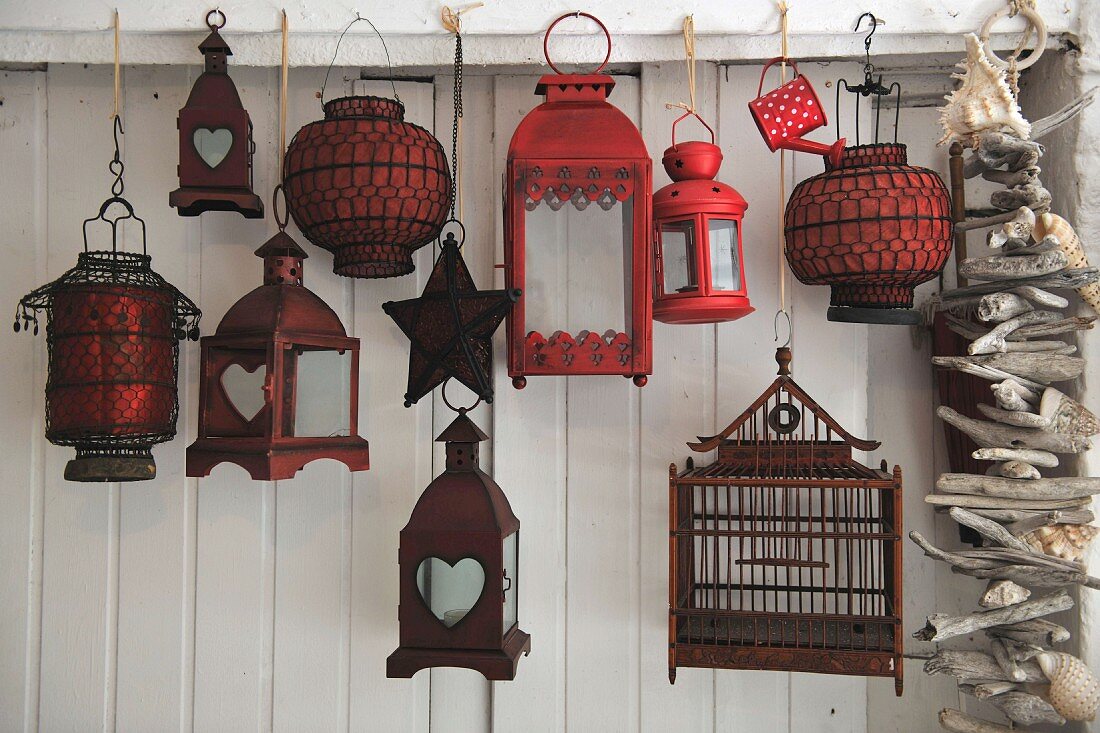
{"x":280,"y":379}
{"x":216,"y":147}
{"x":113,"y":329}
{"x":459,"y":564}
{"x":698,"y":273}
{"x":367,"y":186}
{"x":574,"y":150}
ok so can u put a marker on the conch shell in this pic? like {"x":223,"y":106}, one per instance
{"x":1066,"y":415}
{"x":1070,"y":243}
{"x":1067,"y":541}
{"x":1074,"y":689}
{"x":983,"y":103}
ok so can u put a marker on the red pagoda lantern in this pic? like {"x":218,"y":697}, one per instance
{"x":872,"y":227}
{"x":280,"y":379}
{"x":113,"y":329}
{"x":698,"y":262}
{"x":572,"y":151}
{"x":216,"y":147}
{"x":459,"y":560}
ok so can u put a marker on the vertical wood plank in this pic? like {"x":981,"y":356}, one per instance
{"x":602,"y":496}
{"x":383,"y":497}
{"x":676,"y":405}
{"x":77,"y":527}
{"x":152,"y":514}
{"x":23,"y":149}
{"x":529,"y":448}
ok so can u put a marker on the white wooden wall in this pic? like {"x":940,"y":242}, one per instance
{"x":225,"y":604}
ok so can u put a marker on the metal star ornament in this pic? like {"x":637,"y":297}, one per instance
{"x":450,"y":327}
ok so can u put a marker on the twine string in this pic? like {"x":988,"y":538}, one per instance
{"x":282,"y":88}
{"x":689,"y":51}
{"x":784,"y":52}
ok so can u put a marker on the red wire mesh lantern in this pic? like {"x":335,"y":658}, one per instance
{"x":366,"y":185}
{"x":113,"y":330}
{"x":570,"y":152}
{"x":872,"y":226}
{"x":459,"y":564}
{"x":216,"y":146}
{"x":698,"y":273}
{"x":280,"y":379}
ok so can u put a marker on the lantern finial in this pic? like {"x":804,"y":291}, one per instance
{"x":783,"y":359}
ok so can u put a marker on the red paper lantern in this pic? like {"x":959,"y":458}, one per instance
{"x":459,"y":561}
{"x":280,"y":379}
{"x":367,"y":186}
{"x":216,"y":147}
{"x":698,"y":275}
{"x":572,"y":151}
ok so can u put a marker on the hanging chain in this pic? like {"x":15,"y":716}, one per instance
{"x":455,"y":123}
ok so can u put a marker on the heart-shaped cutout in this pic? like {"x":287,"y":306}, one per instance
{"x":245,"y":389}
{"x":450,"y":591}
{"x":213,"y":145}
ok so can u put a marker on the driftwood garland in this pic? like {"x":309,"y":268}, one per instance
{"x":1036,"y":490}
{"x":941,"y":626}
{"x":956,"y":721}
{"x":994,"y":435}
{"x":1000,"y":268}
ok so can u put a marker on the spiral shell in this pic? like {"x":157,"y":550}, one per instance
{"x":1074,"y":689}
{"x":1067,"y":541}
{"x":983,"y":103}
{"x":1070,"y":243}
{"x":1066,"y":415}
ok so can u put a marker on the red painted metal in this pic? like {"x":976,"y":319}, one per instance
{"x":270,"y":328}
{"x":214,"y":106}
{"x":576,"y":149}
{"x":786,"y":114}
{"x":462,"y":514}
{"x":873,"y":228}
{"x":367,"y":186}
{"x":691,"y":203}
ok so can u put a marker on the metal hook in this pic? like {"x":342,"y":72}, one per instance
{"x":790,"y":328}
{"x":874,"y":26}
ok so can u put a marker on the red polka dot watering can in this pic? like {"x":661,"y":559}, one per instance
{"x":786,"y":114}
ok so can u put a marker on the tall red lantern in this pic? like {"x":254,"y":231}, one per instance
{"x":113,"y":330}
{"x":574,"y":150}
{"x":459,"y":561}
{"x":698,"y":265}
{"x":216,"y":146}
{"x":280,"y":379}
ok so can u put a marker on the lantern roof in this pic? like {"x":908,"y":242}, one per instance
{"x":281,"y":245}
{"x":702,"y":194}
{"x":213,"y":43}
{"x":462,"y":430}
{"x":214,"y":89}
{"x":576,"y":121}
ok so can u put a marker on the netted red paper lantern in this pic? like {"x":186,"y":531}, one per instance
{"x":367,"y":186}
{"x":872,"y":226}
{"x":113,"y":330}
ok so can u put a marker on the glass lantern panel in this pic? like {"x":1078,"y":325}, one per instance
{"x":589,"y":246}
{"x":511,"y":581}
{"x":678,"y":256}
{"x":213,"y":145}
{"x":324,"y":391}
{"x":725,"y":267}
{"x":450,"y":591}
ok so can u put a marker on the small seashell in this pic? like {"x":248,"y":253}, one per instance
{"x":982,"y":103}
{"x":1074,"y":689}
{"x":1066,"y":541}
{"x":1069,"y":243}
{"x":1019,"y":227}
{"x":1066,"y":415}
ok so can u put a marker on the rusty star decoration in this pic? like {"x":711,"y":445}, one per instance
{"x":450,"y":327}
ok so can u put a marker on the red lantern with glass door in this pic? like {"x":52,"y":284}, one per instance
{"x":578,"y":182}
{"x":698,"y":265}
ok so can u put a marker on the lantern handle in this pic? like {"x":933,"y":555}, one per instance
{"x":214,"y":26}
{"x":776,"y":60}
{"x":102,"y":216}
{"x":577,"y":14}
{"x":691,"y":113}
{"x":285,"y":219}
{"x":462,"y":230}
{"x":339,"y":40}
{"x":447,"y":402}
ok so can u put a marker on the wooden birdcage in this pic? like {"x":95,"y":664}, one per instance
{"x":785,"y":553}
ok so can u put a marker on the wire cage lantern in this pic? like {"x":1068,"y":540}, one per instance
{"x":785,"y":553}
{"x":872,"y":226}
{"x":113,"y":327}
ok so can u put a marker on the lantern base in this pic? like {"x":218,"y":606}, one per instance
{"x":879,"y":316}
{"x":274,"y":459}
{"x":702,"y":309}
{"x":373,"y":260}
{"x":194,"y":201}
{"x":495,"y":664}
{"x":102,"y":468}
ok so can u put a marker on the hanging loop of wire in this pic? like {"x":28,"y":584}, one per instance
{"x":447,"y":402}
{"x":389,"y":63}
{"x":775,"y":326}
{"x":116,"y":165}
